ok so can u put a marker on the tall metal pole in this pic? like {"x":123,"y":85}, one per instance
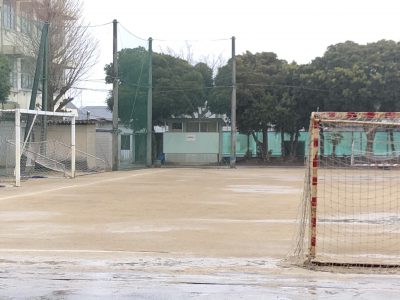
{"x":115,"y":148}
{"x":233,"y":108}
{"x":149,"y":160}
{"x":17,"y":147}
{"x":73,"y":148}
{"x":45,"y":69}
{"x":39,"y":66}
{"x":45,"y":88}
{"x":35,"y":87}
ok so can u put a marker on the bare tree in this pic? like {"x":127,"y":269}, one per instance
{"x":72,"y":51}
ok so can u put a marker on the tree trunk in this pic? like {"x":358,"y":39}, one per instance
{"x":265,"y":148}
{"x":248,"y":152}
{"x":322,"y":142}
{"x":291,"y":146}
{"x":294,"y":145}
{"x":260,"y":145}
{"x":50,"y":96}
{"x":391,"y":141}
{"x":333,"y":150}
{"x":370,"y":132}
{"x":283,"y":154}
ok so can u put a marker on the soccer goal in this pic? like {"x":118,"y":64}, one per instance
{"x":36,"y":144}
{"x":350,"y":214}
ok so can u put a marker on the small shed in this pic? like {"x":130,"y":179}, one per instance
{"x":193,"y":141}
{"x":102,"y":116}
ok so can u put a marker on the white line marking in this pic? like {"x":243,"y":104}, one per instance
{"x":78,"y":251}
{"x":78,"y":185}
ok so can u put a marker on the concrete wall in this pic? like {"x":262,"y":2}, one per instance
{"x":7,"y":132}
{"x":192,"y":147}
{"x":104,"y":148}
{"x":85,"y":140}
{"x":85,"y":136}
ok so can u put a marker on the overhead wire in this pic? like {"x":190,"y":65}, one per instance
{"x":173,"y":40}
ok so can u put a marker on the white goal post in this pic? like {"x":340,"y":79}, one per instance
{"x":350,"y":210}
{"x":21,"y":143}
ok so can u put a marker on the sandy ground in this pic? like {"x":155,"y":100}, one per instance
{"x":164,"y":234}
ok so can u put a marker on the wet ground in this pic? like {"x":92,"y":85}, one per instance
{"x":165,"y":234}
{"x":153,"y":276}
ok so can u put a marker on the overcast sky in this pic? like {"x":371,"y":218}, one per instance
{"x":295,"y":30}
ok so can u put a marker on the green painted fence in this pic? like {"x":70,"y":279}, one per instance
{"x":345,"y":147}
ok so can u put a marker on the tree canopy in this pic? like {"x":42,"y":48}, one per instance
{"x":271,"y":93}
{"x":359,"y":77}
{"x":179,"y":88}
{"x":5,"y":85}
{"x":72,"y":50}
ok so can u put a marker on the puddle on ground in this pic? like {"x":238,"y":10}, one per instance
{"x":152,"y":277}
{"x":265,"y":189}
{"x":26,"y":215}
{"x":367,"y":219}
{"x":261,"y":221}
{"x":127,"y":228}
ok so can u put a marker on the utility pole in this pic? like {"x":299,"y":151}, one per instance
{"x":115,"y":148}
{"x":233,"y":108}
{"x":149,"y":160}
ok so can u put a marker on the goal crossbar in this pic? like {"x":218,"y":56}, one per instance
{"x":358,"y":123}
{"x":41,"y":112}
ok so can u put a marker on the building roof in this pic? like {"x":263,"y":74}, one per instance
{"x":202,"y":120}
{"x":70,"y":105}
{"x":99,"y":113}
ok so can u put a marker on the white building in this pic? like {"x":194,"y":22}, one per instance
{"x":18,"y":22}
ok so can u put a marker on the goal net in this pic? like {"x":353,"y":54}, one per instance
{"x":350,"y":210}
{"x":36,"y":144}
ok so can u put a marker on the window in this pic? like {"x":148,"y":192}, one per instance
{"x":208,"y":127}
{"x":26,"y":74}
{"x":125,"y":142}
{"x":13,"y":73}
{"x":8,"y":15}
{"x":203,"y":127}
{"x":212,"y":127}
{"x":176,"y":126}
{"x":26,"y":26}
{"x":192,"y":127}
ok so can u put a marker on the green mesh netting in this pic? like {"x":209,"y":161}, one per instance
{"x":134,"y":59}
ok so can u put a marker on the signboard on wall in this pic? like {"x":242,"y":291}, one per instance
{"x":190,"y":138}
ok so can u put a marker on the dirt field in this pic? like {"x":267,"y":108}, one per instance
{"x":164,"y":234}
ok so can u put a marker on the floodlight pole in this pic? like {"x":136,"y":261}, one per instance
{"x":233,"y":108}
{"x":149,"y":160}
{"x":115,"y":148}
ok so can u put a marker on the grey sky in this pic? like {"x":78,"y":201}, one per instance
{"x":294,"y":30}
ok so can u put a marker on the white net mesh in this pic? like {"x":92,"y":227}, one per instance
{"x":351,"y":202}
{"x":46,"y":147}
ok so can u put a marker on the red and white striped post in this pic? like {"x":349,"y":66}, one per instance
{"x":314,"y":147}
